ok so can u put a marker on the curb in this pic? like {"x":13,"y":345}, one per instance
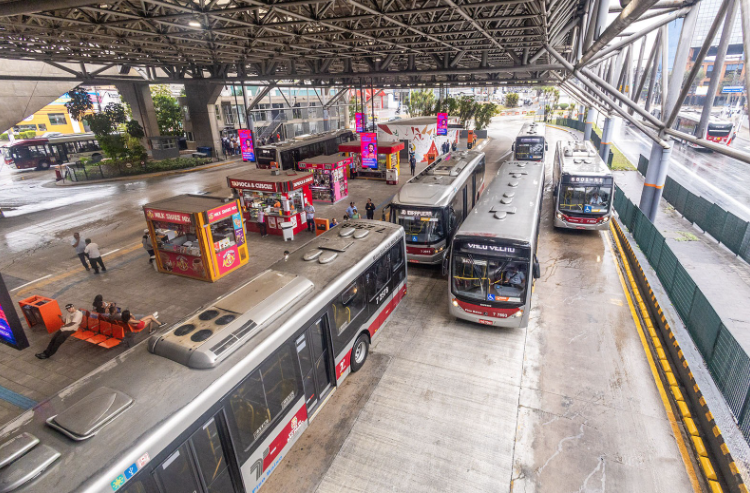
{"x":728,"y":470}
{"x":146,"y":175}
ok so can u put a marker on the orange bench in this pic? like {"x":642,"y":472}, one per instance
{"x":100,"y":332}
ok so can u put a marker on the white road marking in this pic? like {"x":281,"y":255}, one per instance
{"x":110,"y":253}
{"x":30,"y":282}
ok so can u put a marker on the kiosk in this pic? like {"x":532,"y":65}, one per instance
{"x":329,"y":177}
{"x":281,"y":195}
{"x":197,"y":236}
{"x":388,"y":158}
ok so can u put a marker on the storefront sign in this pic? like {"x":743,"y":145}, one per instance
{"x":11,"y":330}
{"x":253,"y":185}
{"x":186,"y":265}
{"x":732,"y":89}
{"x":359,"y":122}
{"x":246,"y":144}
{"x":228,"y":259}
{"x":369,"y":150}
{"x":168,"y":216}
{"x":301,"y":182}
{"x":442,"y":123}
{"x":218,"y":213}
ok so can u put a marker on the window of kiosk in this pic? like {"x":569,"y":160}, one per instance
{"x":381,"y":160}
{"x":177,"y":238}
{"x":270,"y":202}
{"x":222,"y":233}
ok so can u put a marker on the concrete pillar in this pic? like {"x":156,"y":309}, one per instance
{"x":656,"y":176}
{"x":581,"y":110}
{"x":606,"y":139}
{"x":138,"y":96}
{"x":201,"y":102}
{"x":589,"y":124}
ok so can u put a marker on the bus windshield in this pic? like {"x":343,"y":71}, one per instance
{"x":585,"y":199}
{"x":530,"y":148}
{"x":422,"y":226}
{"x":489,"y":279}
{"x":719,"y":129}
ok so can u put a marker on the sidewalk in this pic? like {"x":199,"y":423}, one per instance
{"x":722,"y":277}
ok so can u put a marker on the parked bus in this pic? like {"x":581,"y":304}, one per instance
{"x":286,"y":155}
{"x":492,"y":264}
{"x":214,"y":402}
{"x":530,"y":144}
{"x":718,"y":131}
{"x":432,"y":205}
{"x":583,"y":187}
{"x":44,"y":152}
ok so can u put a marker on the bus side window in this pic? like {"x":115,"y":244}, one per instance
{"x":397,"y":261}
{"x":348,"y":306}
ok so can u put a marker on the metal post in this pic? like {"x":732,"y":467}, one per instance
{"x":635,"y":96}
{"x":654,"y":68}
{"x":647,"y":199}
{"x":372,"y":99}
{"x":606,"y":139}
{"x":681,"y":58}
{"x":664,"y":72}
{"x":237,"y":106}
{"x":745,"y":19}
{"x":716,"y":76}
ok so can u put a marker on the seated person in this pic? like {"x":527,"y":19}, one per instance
{"x":99,"y":303}
{"x":515,"y":277}
{"x":596,"y":199}
{"x":141,"y":322}
{"x":333,"y":223}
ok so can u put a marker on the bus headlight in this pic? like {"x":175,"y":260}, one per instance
{"x":519,"y":313}
{"x":438,"y":250}
{"x":455,"y":302}
{"x":559,"y":216}
{"x":605,"y":219}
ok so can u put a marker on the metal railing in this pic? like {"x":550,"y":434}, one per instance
{"x":727,"y":361}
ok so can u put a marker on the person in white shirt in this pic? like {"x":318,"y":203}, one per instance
{"x":78,"y":244}
{"x":595,"y":199}
{"x":516,"y":278}
{"x":310,"y":212}
{"x":72,"y":321}
{"x":92,"y":252}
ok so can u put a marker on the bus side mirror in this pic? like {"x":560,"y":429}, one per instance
{"x":537,"y":270}
{"x":513,"y":147}
{"x":446,"y":259}
{"x":546,"y":146}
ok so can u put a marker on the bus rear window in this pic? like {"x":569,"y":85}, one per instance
{"x":719,"y":130}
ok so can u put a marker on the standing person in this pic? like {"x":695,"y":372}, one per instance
{"x":454,"y":146}
{"x":147,"y":245}
{"x":310,"y":212}
{"x":262,"y":223}
{"x":370,"y":209}
{"x":278,"y":137}
{"x":356,"y":215}
{"x":72,"y":321}
{"x":92,"y":252}
{"x":350,"y":210}
{"x":412,"y":163}
{"x":80,"y":246}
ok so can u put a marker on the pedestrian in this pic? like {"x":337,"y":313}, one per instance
{"x":412,"y":163}
{"x":262,"y":223}
{"x":92,"y":252}
{"x":278,"y":137}
{"x":71,"y":322}
{"x":334,"y":223}
{"x":370,"y":209}
{"x":310,"y":212}
{"x":147,"y":245}
{"x":356,"y":215}
{"x":79,"y":246}
{"x":454,"y":146}
{"x":350,"y":209}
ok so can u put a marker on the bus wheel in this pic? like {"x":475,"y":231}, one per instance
{"x":44,"y":165}
{"x":359,"y":352}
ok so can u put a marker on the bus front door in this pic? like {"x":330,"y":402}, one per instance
{"x":315,"y":361}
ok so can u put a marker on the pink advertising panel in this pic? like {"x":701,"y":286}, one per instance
{"x":369,"y":150}
{"x":442,"y":123}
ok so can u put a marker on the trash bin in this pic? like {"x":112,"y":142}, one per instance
{"x":391,"y":176}
{"x":208,"y":151}
{"x":287,"y":230}
{"x":58,"y":173}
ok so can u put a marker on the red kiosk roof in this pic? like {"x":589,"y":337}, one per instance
{"x":384,"y":147}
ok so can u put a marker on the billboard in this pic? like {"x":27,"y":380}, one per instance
{"x":369,"y":150}
{"x":442,"y":123}
{"x":701,"y":90}
{"x":11,"y":330}
{"x":246,"y":144}
{"x":359,"y":122}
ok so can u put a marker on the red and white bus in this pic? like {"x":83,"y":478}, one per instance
{"x":214,"y":402}
{"x":718,"y":131}
{"x":43,"y":152}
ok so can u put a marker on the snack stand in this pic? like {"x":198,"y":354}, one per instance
{"x":197,"y":236}
{"x":388,"y":158}
{"x":281,"y":197}
{"x":329,"y":177}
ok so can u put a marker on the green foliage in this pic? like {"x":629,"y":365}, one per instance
{"x":80,"y":103}
{"x":467,"y":107}
{"x":112,"y":130}
{"x":26,"y":134}
{"x":168,"y":111}
{"x":134,"y":129}
{"x":483,"y":115}
{"x":448,"y":105}
{"x":129,"y":167}
{"x":563,"y":106}
{"x":511,"y":100}
{"x":4,"y":136}
{"x":421,"y":102}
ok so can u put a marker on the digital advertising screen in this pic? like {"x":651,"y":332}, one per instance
{"x":369,"y":150}
{"x":442,"y":123}
{"x":246,"y":144}
{"x":359,"y":122}
{"x":11,"y":330}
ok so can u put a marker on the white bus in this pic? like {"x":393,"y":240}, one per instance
{"x":432,"y":205}
{"x":531,"y":144}
{"x":718,"y":130}
{"x":216,"y":401}
{"x":73,"y":147}
{"x":583,"y":187}
{"x":493,"y":264}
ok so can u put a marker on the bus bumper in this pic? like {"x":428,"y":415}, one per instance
{"x":561,"y":222}
{"x":510,"y":321}
{"x":423,"y":257}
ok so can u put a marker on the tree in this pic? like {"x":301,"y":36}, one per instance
{"x":80,"y":103}
{"x":421,"y":102}
{"x":511,"y":100}
{"x":483,"y":115}
{"x":563,"y":106}
{"x":118,"y":137}
{"x":467,"y":107}
{"x":446,"y":105}
{"x":168,"y":111}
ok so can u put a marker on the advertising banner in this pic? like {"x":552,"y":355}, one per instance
{"x":179,"y":263}
{"x":168,"y":216}
{"x":442,"y":123}
{"x":359,"y":122}
{"x":228,"y":259}
{"x":246,"y":144}
{"x":369,"y":150}
{"x":11,"y":330}
{"x":218,"y":213}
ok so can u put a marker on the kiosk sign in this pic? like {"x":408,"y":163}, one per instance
{"x":369,"y":149}
{"x":246,"y":144}
{"x":218,"y":213}
{"x":11,"y":330}
{"x":442,"y":123}
{"x":359,"y":122}
{"x":168,"y":216}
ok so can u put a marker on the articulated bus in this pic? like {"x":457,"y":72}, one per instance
{"x":531,"y":144}
{"x":286,"y":155}
{"x":493,"y":264}
{"x":432,"y":205}
{"x":718,"y":131}
{"x":214,"y":403}
{"x":583,"y":187}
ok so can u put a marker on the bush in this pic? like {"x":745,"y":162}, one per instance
{"x":27,"y":134}
{"x":511,"y":100}
{"x":138,"y":167}
{"x":4,"y":136}
{"x":563,"y":106}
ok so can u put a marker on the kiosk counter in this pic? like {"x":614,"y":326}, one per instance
{"x":329,"y":176}
{"x":388,"y":158}
{"x":280,"y":197}
{"x":197,"y":236}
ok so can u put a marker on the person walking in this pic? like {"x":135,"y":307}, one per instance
{"x":412,"y":163}
{"x":80,"y":246}
{"x":92,"y":252}
{"x":71,"y":322}
{"x":262,"y":223}
{"x":310,"y":212}
{"x":370,"y":209}
{"x":148,"y":246}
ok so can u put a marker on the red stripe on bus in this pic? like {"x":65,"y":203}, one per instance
{"x":386,"y":311}
{"x":293,"y":427}
{"x":487,"y":311}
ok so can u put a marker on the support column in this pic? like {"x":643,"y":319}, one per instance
{"x":581,"y":111}
{"x":606,"y":139}
{"x":201,"y":102}
{"x":589,"y":124}
{"x":138,"y":96}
